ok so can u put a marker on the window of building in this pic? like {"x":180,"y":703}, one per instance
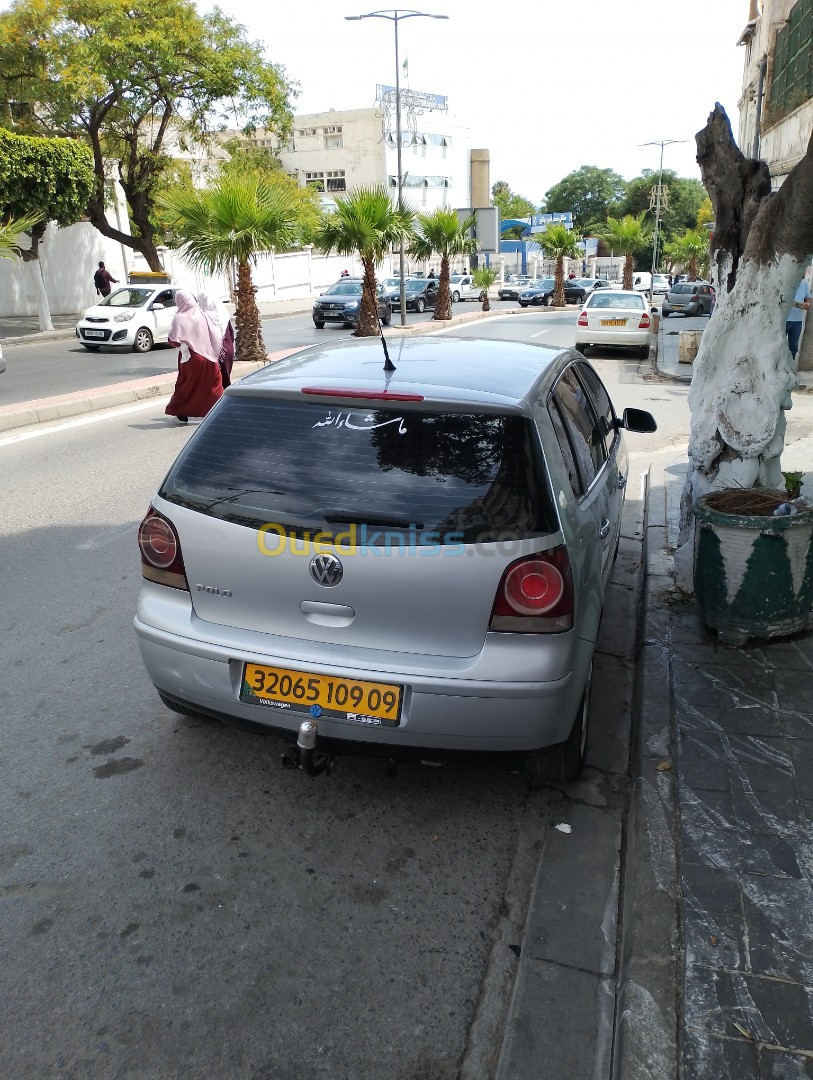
{"x":336,"y":180}
{"x":308,"y":131}
{"x":289,"y":145}
{"x":792,"y":72}
{"x":333,"y":129}
{"x":333,"y":142}
{"x":315,"y":180}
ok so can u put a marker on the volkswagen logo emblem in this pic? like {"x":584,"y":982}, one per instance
{"x":326,"y":570}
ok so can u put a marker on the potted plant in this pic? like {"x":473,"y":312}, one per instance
{"x":753,"y":567}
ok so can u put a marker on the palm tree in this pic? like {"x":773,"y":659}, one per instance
{"x":234,"y":221}
{"x":627,"y":235}
{"x":560,"y":244}
{"x":484,"y":277}
{"x":691,"y":250}
{"x":11,"y":229}
{"x":365,"y":222}
{"x":442,"y":233}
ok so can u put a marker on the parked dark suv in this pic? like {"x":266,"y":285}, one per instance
{"x":342,"y":303}
{"x":689,"y":298}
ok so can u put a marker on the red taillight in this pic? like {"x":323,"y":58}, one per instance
{"x":645,"y":322}
{"x":582,"y":320}
{"x":161,"y":558}
{"x":535,"y":595}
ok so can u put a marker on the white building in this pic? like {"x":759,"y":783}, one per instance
{"x":776,"y":107}
{"x":338,"y":150}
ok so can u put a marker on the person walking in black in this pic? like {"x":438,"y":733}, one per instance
{"x":103,"y":279}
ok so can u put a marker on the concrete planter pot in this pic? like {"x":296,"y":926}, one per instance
{"x":753,"y":573}
{"x":688,"y":345}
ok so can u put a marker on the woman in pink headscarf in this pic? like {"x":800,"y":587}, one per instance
{"x":199,"y":385}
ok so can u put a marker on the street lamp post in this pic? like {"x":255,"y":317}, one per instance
{"x":661,"y":143}
{"x":396,"y":15}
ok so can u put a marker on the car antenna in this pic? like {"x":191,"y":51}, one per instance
{"x":388,"y":364}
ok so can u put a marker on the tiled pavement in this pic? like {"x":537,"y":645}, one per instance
{"x":741,"y":737}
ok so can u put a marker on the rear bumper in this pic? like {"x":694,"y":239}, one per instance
{"x":611,"y":336}
{"x":442,"y":709}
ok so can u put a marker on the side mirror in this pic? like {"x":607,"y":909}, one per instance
{"x":638,"y":420}
{"x":157,"y":307}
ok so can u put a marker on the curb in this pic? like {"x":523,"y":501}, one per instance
{"x":646,"y":1023}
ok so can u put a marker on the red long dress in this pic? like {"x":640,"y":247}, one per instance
{"x":197,"y":388}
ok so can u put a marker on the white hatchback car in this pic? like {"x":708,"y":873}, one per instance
{"x":462,"y":287}
{"x":616,"y":318}
{"x":134,"y":317}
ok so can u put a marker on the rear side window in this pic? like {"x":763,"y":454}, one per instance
{"x":312,"y":467}
{"x":582,"y":428}
{"x":600,"y":400}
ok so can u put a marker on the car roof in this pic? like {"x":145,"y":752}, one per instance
{"x":616,"y":292}
{"x":475,"y":372}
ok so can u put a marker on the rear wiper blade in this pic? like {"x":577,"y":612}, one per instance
{"x":361,"y":517}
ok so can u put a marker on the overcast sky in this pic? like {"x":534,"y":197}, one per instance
{"x":545,"y":85}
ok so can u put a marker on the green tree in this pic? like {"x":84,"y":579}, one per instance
{"x":560,"y":244}
{"x":10,"y":230}
{"x":690,"y":251}
{"x":705,"y":215}
{"x":234,"y":221}
{"x":683,"y":200}
{"x":590,"y":193}
{"x":128,"y":81}
{"x":366,"y":223}
{"x":484,"y":277}
{"x":510,"y":204}
{"x":43,"y":180}
{"x":626,"y":236}
{"x":247,"y":158}
{"x":442,"y":233}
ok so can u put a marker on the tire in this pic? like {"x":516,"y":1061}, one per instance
{"x":455,"y":297}
{"x":665,"y":314}
{"x":521,"y":304}
{"x":549,"y":300}
{"x":563,"y":763}
{"x":142,"y":343}
{"x":319,"y":324}
{"x":581,"y":349}
{"x":92,"y":348}
{"x":420,"y":305}
{"x":387,"y":317}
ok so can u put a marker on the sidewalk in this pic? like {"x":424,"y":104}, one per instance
{"x":719,"y":984}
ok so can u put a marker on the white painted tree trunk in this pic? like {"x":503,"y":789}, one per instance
{"x":43,"y":307}
{"x":741,"y":387}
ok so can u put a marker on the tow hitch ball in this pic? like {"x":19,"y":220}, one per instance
{"x":304,"y":755}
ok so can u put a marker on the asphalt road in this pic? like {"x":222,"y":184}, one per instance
{"x":37,"y":369}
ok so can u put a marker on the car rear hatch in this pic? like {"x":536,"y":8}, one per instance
{"x":607,"y":310}
{"x":423,"y":507}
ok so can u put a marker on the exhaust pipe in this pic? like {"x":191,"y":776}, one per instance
{"x":304,"y":754}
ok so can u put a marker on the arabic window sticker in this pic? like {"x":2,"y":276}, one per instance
{"x":344,"y":420}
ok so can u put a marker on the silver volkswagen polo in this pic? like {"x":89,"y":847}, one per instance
{"x":410,"y":559}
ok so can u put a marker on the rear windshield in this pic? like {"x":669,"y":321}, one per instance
{"x":685,"y":287}
{"x":615,"y":300}
{"x":310,"y":467}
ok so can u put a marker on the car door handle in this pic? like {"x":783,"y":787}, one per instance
{"x":604,"y":531}
{"x":622,"y":480}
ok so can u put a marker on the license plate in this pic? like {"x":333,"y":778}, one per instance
{"x":677,"y":307}
{"x":94,"y":333}
{"x":613,"y":322}
{"x":370,"y":703}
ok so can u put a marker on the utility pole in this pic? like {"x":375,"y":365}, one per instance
{"x":661,"y":143}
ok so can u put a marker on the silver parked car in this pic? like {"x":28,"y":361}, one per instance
{"x":411,"y":559}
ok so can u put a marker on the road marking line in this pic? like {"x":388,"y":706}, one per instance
{"x":540,"y":333}
{"x":81,"y":421}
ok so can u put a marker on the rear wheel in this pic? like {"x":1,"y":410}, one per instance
{"x":455,"y":297}
{"x":93,"y":348}
{"x":523,"y":303}
{"x":420,"y":304}
{"x":549,"y":300}
{"x":563,"y":763}
{"x":387,"y":318}
{"x":142,"y":342}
